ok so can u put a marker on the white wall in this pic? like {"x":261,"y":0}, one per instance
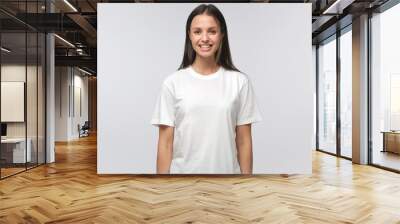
{"x":17,"y":73}
{"x":61,"y":103}
{"x":68,"y":81}
{"x":140,"y":44}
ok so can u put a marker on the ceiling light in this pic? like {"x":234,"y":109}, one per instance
{"x":84,"y":71}
{"x":70,"y":5}
{"x":64,"y":40}
{"x":331,"y":7}
{"x":5,"y":50}
{"x":338,"y":6}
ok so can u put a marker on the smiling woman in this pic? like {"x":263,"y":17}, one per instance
{"x":205,"y":109}
{"x":205,"y":36}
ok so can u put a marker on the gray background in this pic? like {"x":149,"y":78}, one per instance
{"x":140,"y":44}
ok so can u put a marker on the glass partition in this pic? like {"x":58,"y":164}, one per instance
{"x":22,"y":77}
{"x":13,"y":110}
{"x":32,"y":95}
{"x":327,"y":96}
{"x":41,"y":109}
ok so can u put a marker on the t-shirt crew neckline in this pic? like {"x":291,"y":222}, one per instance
{"x":209,"y":76}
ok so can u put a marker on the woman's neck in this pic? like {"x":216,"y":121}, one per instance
{"x":205,"y":66}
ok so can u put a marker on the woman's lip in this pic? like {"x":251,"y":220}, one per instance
{"x":206,"y":47}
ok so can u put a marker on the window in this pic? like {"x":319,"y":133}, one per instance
{"x":385,"y":89}
{"x":327,"y":96}
{"x":346,"y":93}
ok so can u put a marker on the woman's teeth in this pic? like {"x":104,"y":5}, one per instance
{"x":205,"y":46}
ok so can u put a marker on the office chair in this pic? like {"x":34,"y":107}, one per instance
{"x":84,"y":130}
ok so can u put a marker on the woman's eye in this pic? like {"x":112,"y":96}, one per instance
{"x":196,"y":32}
{"x":213,"y":32}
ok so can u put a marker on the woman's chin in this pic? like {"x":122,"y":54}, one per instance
{"x":203,"y":55}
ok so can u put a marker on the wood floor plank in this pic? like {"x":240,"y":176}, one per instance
{"x":70,"y":191}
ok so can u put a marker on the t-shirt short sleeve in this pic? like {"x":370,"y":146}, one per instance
{"x":164,"y":112}
{"x":248,"y":109}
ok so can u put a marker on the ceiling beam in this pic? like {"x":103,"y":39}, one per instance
{"x":86,"y":26}
{"x":85,"y":61}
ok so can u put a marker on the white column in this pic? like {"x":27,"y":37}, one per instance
{"x":50,"y":110}
{"x":360,"y":90}
{"x":50,"y":92}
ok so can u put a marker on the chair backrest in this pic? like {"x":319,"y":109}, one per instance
{"x":86,"y":125}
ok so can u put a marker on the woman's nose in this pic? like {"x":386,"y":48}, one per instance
{"x":204,"y":37}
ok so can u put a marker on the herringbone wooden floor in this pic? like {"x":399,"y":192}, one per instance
{"x":70,"y":191}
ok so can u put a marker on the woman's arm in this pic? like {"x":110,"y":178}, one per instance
{"x":245,"y":148}
{"x":165,"y":147}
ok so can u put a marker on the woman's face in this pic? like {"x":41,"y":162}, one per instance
{"x":205,"y":35}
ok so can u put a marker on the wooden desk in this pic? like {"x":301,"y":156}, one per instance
{"x":391,"y":141}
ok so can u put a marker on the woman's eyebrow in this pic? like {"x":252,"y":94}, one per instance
{"x":213,"y":27}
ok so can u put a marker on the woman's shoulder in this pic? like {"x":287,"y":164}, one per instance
{"x":174,"y":77}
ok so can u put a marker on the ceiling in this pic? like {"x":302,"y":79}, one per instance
{"x":76,"y":22}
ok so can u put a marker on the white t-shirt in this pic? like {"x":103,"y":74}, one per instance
{"x":205,"y":110}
